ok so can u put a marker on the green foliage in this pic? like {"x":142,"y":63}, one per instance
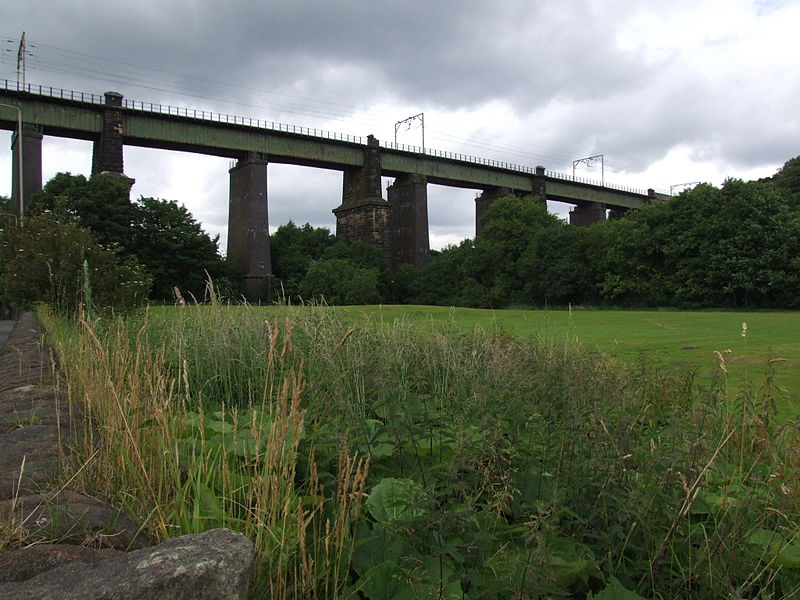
{"x":292,"y":250}
{"x":339,"y":281}
{"x":450,"y":279}
{"x":735,"y":246}
{"x":101,"y":204}
{"x":172,"y":246}
{"x":5,"y":206}
{"x":162,"y":235}
{"x":787,"y":180}
{"x":43,"y":261}
{"x":503,"y":468}
{"x":524,"y":255}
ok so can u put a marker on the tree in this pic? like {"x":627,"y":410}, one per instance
{"x":43,"y":261}
{"x":339,"y":281}
{"x":162,"y":235}
{"x":449,"y":279}
{"x":292,"y":251}
{"x":787,"y":180}
{"x":737,"y":246}
{"x":101,"y":204}
{"x":515,"y":253}
{"x":627,"y":260}
{"x":555,"y":266}
{"x":173,"y":247}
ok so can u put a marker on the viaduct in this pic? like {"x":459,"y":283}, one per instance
{"x":398,"y":225}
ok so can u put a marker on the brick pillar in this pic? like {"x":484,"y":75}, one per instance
{"x":484,"y":201}
{"x":408,"y":197}
{"x":31,"y":168}
{"x":248,"y":225}
{"x":540,"y":184}
{"x":587,"y":213}
{"x":364,"y":214}
{"x":107,"y":154}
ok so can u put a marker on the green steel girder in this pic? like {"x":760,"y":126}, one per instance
{"x":233,"y":141}
{"x":574,"y":192}
{"x":84,"y":120}
{"x":58,"y":118}
{"x":451,"y":172}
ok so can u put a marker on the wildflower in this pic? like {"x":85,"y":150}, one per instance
{"x":744,"y":330}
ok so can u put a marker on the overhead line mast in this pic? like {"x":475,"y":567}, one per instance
{"x":21,"y":54}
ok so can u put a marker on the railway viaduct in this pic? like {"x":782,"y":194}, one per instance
{"x":397,"y":224}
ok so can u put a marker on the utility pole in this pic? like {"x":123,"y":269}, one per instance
{"x":586,"y":161}
{"x":407,"y":122}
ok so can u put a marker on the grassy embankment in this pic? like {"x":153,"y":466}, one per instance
{"x":405,"y":461}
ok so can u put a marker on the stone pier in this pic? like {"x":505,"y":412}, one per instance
{"x":248,"y":225}
{"x":31,"y":167}
{"x":364,"y":214}
{"x":587,"y":213}
{"x":408,"y":196}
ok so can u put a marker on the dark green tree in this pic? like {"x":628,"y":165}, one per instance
{"x":555,"y":267}
{"x":735,"y":246}
{"x":450,"y":279}
{"x":292,"y":250}
{"x":627,"y":260}
{"x":162,"y":235}
{"x":516,"y":250}
{"x":338,"y":281}
{"x":787,"y":180}
{"x":101,"y":203}
{"x":173,"y":247}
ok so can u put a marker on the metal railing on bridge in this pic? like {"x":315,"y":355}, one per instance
{"x":51,"y":92}
{"x":205,"y":115}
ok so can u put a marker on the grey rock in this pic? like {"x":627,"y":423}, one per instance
{"x":71,"y":517}
{"x":35,"y":405}
{"x":28,"y":458}
{"x":25,"y":563}
{"x":213,"y":565}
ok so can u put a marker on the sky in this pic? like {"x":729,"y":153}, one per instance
{"x":667,"y":92}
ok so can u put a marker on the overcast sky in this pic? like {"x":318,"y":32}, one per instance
{"x":668,"y":92}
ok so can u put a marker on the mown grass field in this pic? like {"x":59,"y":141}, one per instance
{"x":679,"y":339}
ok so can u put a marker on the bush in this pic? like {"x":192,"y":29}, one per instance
{"x":43,"y":261}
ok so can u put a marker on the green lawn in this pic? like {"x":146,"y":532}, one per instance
{"x":680,"y":339}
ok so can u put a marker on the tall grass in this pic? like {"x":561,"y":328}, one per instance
{"x":432,"y":462}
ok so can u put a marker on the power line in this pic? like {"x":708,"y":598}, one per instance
{"x":52,"y":59}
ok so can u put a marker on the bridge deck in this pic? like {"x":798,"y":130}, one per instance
{"x":77,"y":115}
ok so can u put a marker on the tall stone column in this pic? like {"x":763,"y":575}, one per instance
{"x":364,"y":214}
{"x":248,"y":225}
{"x":587,"y":213}
{"x":107,"y":150}
{"x":31,"y":168}
{"x":408,"y":197}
